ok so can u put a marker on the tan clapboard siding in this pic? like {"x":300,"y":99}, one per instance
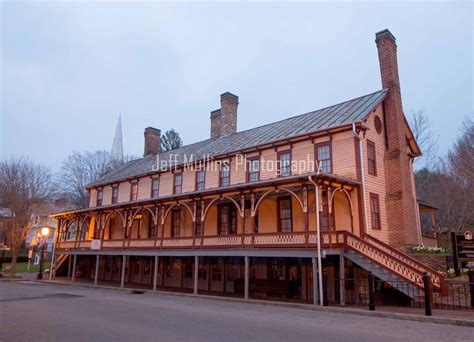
{"x":268,"y":168}
{"x":302,"y":154}
{"x":124,"y":192}
{"x":343,"y":153}
{"x":107,"y":195}
{"x":267,"y":216}
{"x":238,"y":170}
{"x":342,"y":213}
{"x":186,"y":223}
{"x":376,"y":184}
{"x":298,"y":216}
{"x":355,"y":211}
{"x":144,"y":188}
{"x":166,"y":183}
{"x":311,"y":211}
{"x":167,"y":226}
{"x":93,"y":197}
{"x":212,"y":178}
{"x":210,"y":224}
{"x":189,"y":180}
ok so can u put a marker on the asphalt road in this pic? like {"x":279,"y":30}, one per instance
{"x":47,"y":312}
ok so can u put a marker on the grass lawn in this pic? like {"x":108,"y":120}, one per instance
{"x":22,"y":267}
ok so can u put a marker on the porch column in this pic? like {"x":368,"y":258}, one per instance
{"x":96,"y":275}
{"x":246,"y":289}
{"x":196,"y":274}
{"x":122,"y":275}
{"x":73,"y":275}
{"x":342,"y":282}
{"x":315,"y":280}
{"x":155,"y":273}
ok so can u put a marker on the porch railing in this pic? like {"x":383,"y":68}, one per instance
{"x":292,"y":239}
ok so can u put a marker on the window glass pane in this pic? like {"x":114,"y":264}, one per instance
{"x":253,"y":170}
{"x":100,"y":195}
{"x":114,"y":194}
{"x":324,"y":158}
{"x":371,"y":158}
{"x":178,"y":179}
{"x":155,"y":188}
{"x":285,"y":164}
{"x":176,"y":222}
{"x":375,"y":212}
{"x":200,"y":181}
{"x":285,"y":215}
{"x":134,"y":192}
{"x":225,"y":175}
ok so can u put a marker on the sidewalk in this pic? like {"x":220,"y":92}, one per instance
{"x":451,"y":317}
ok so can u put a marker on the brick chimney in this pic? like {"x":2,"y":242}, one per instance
{"x":152,"y":141}
{"x":224,"y":120}
{"x":400,"y":201}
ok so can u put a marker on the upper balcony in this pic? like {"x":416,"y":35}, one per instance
{"x":280,"y":213}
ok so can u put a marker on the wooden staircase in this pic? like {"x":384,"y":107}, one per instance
{"x":402,"y":271}
{"x":59,"y":262}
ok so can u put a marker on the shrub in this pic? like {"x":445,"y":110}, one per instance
{"x":428,"y":250}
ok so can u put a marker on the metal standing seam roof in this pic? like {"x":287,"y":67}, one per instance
{"x":340,"y":114}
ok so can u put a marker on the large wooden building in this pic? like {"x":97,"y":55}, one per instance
{"x":278,"y":211}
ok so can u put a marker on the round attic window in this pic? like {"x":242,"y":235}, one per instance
{"x":378,"y":124}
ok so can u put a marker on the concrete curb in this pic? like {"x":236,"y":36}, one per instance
{"x":308,"y":307}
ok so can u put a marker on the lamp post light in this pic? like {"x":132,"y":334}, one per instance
{"x":44,"y":234}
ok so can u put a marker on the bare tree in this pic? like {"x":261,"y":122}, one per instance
{"x":450,"y":184}
{"x":81,"y":169}
{"x":428,"y":143}
{"x":461,"y":156}
{"x":461,"y":166}
{"x":24,"y":186}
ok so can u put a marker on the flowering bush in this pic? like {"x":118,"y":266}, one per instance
{"x":450,"y":274}
{"x":429,"y":250}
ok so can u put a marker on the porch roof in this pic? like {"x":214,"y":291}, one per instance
{"x":327,"y":178}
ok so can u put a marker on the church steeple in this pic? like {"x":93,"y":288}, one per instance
{"x":116,"y":153}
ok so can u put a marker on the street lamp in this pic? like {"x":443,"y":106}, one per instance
{"x":44,"y":233}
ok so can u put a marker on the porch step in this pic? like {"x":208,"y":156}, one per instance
{"x":400,"y":284}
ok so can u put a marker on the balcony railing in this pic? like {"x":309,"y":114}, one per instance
{"x":275,"y":240}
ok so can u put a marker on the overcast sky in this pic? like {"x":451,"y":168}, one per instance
{"x":69,"y":69}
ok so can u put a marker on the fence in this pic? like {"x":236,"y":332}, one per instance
{"x":373,"y":292}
